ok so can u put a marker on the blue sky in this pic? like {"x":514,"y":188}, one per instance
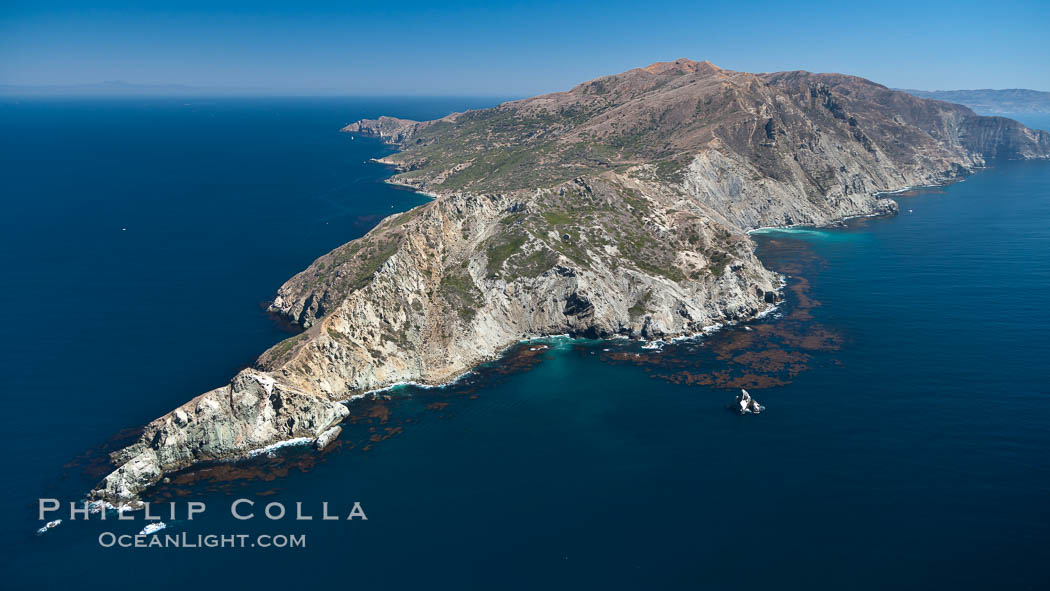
{"x":514,"y":48}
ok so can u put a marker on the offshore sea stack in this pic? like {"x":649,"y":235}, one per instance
{"x":618,"y":208}
{"x":746,"y":405}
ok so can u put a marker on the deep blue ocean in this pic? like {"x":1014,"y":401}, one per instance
{"x":906,"y":442}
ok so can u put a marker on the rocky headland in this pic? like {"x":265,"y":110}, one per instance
{"x":618,"y":208}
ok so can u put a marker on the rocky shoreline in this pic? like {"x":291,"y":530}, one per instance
{"x":618,"y":209}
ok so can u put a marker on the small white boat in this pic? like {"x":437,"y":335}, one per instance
{"x":153,"y":528}
{"x":48,"y":526}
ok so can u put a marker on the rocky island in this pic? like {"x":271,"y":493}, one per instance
{"x":617,"y":208}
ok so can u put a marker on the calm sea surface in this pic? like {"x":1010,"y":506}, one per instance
{"x":905,"y":444}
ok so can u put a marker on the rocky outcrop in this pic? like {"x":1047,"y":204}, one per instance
{"x":253,"y":411}
{"x":746,"y":405}
{"x":327,"y":437}
{"x":390,"y":129}
{"x":620,"y":207}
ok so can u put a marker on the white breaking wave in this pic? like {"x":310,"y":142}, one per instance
{"x":273,"y":446}
{"x":153,"y":528}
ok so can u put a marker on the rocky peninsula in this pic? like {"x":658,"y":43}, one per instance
{"x":617,"y":208}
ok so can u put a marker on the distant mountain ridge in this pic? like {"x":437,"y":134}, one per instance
{"x":988,"y":101}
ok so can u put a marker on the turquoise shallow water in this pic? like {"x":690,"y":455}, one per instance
{"x":905,"y":376}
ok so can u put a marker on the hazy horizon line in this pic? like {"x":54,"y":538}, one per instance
{"x":122,"y":88}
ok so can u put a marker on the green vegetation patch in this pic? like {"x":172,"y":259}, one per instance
{"x":635,"y":200}
{"x":639,"y":307}
{"x":281,"y":350}
{"x":671,"y":170}
{"x":500,"y":249}
{"x":532,"y":265}
{"x":653,"y":268}
{"x":458,"y":289}
{"x":558,"y":218}
{"x":649,"y":255}
{"x":335,"y":334}
{"x":366,"y":259}
{"x":718,"y":260}
{"x":404,"y":218}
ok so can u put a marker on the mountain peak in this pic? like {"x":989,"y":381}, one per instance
{"x":682,"y":65}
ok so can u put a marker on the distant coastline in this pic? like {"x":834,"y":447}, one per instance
{"x":986,"y":101}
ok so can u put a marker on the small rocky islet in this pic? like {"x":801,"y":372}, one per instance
{"x":618,"y":208}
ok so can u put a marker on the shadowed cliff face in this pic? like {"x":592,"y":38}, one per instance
{"x":618,"y":208}
{"x":999,"y":137}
